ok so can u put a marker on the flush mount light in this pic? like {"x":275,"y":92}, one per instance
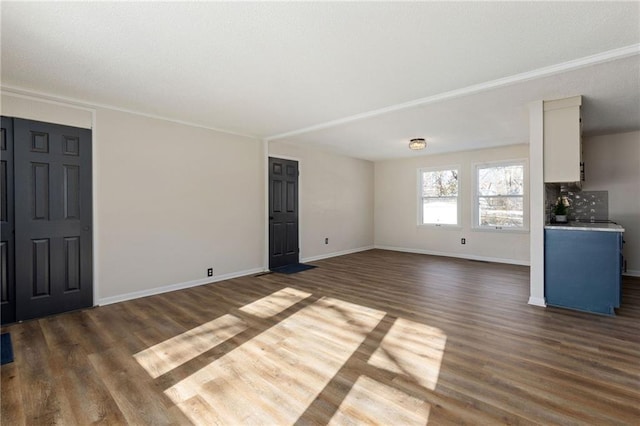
{"x":417,"y":144}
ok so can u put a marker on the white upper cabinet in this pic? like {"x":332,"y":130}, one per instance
{"x":562,"y":140}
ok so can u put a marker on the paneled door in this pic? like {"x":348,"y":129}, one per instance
{"x":283,"y":212}
{"x":7,"y":277}
{"x":53,"y":218}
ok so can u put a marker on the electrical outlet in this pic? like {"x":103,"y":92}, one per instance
{"x":210,"y":272}
{"x":326,"y":240}
{"x":463,"y":241}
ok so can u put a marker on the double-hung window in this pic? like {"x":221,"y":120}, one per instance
{"x":500,"y":196}
{"x":438,"y":196}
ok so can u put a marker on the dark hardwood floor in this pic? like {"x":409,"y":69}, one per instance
{"x":373,"y":337}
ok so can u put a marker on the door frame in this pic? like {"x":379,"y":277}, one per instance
{"x":60,"y":117}
{"x":9,"y":310}
{"x":266,"y":202}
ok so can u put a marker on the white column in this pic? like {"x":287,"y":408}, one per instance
{"x":536,"y":205}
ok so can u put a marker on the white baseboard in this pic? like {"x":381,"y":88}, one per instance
{"x":537,"y":301}
{"x":174,"y":287}
{"x":632,"y":273}
{"x":335,"y":253}
{"x":457,"y":255}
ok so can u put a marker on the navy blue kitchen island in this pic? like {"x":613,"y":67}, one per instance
{"x":583,"y":266}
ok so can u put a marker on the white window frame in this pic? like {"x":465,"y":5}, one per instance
{"x":525,"y":196}
{"x":458,"y":225}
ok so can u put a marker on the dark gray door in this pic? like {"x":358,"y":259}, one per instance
{"x":283,"y":212}
{"x":53,"y":218}
{"x":7,"y":277}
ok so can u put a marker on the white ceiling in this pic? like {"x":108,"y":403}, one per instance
{"x":275,"y":69}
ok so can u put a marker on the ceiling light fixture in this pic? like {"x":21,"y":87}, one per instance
{"x":417,"y":144}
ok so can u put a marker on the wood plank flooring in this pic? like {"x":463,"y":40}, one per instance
{"x":374,"y":337}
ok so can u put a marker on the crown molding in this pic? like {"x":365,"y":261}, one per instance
{"x":575,"y":64}
{"x":90,"y":106}
{"x":586,"y":61}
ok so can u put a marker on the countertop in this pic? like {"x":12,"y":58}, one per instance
{"x":585,"y":226}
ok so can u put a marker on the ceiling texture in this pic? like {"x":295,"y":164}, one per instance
{"x":356,"y":78}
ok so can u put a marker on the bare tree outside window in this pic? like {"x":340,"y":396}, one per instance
{"x":439,"y":193}
{"x":500,"y":195}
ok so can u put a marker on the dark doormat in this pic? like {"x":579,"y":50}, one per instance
{"x":6,"y":349}
{"x":292,"y":269}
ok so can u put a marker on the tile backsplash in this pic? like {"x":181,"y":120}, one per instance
{"x":586,"y":206}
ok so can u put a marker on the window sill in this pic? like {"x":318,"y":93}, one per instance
{"x":439,"y":226}
{"x":500,"y":229}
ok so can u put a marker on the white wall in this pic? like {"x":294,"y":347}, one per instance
{"x":336,"y":200}
{"x":175,"y":200}
{"x":612,"y":163}
{"x":170,"y":200}
{"x":396,"y":207}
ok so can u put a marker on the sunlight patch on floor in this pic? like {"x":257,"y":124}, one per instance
{"x":275,"y":303}
{"x":373,"y":403}
{"x":413,"y":350}
{"x":274,"y":377}
{"x":169,"y":354}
